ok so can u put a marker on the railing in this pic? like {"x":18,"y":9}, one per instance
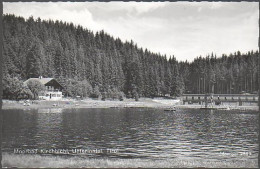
{"x":220,"y":97}
{"x":52,"y":90}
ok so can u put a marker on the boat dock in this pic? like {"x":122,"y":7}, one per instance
{"x":218,"y":99}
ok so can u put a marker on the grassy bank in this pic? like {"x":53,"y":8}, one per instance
{"x":91,"y":103}
{"x":37,"y":161}
{"x":87,"y":103}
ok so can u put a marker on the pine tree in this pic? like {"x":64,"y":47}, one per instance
{"x":72,"y":54}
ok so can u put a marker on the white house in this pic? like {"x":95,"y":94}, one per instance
{"x":53,"y":89}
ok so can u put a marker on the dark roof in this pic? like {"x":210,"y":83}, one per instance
{"x":42,"y":80}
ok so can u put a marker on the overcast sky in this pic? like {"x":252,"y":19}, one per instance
{"x":183,"y":29}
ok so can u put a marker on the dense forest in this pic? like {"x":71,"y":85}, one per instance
{"x":97,"y":64}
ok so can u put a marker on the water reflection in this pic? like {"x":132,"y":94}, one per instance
{"x":49,"y":110}
{"x":48,"y":128}
{"x":136,"y":133}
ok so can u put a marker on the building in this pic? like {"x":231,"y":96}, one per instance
{"x":53,"y":89}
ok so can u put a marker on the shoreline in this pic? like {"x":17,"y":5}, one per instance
{"x":167,"y":104}
{"x":38,"y":161}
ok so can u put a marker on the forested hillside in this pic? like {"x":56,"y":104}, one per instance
{"x":89,"y":64}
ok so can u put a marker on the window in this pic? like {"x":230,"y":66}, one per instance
{"x":53,"y":95}
{"x":58,"y":95}
{"x":47,"y":95}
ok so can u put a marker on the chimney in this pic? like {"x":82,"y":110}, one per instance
{"x":40,"y":77}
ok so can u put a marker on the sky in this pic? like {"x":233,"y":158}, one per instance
{"x":183,"y":29}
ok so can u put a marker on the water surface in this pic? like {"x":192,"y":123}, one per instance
{"x":136,"y":132}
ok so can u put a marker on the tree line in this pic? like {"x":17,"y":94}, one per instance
{"x":96,"y":64}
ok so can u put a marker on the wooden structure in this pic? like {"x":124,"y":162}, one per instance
{"x":219,"y":98}
{"x":53,"y":89}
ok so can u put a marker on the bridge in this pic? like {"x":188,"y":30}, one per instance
{"x":219,"y":98}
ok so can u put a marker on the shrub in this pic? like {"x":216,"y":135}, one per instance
{"x":96,"y":93}
{"x":36,"y":87}
{"x":11,"y":87}
{"x":83,"y":88}
{"x":121,"y":96}
{"x":103,"y":96}
{"x":25,"y":93}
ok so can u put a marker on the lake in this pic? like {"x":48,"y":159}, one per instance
{"x":135,"y":133}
